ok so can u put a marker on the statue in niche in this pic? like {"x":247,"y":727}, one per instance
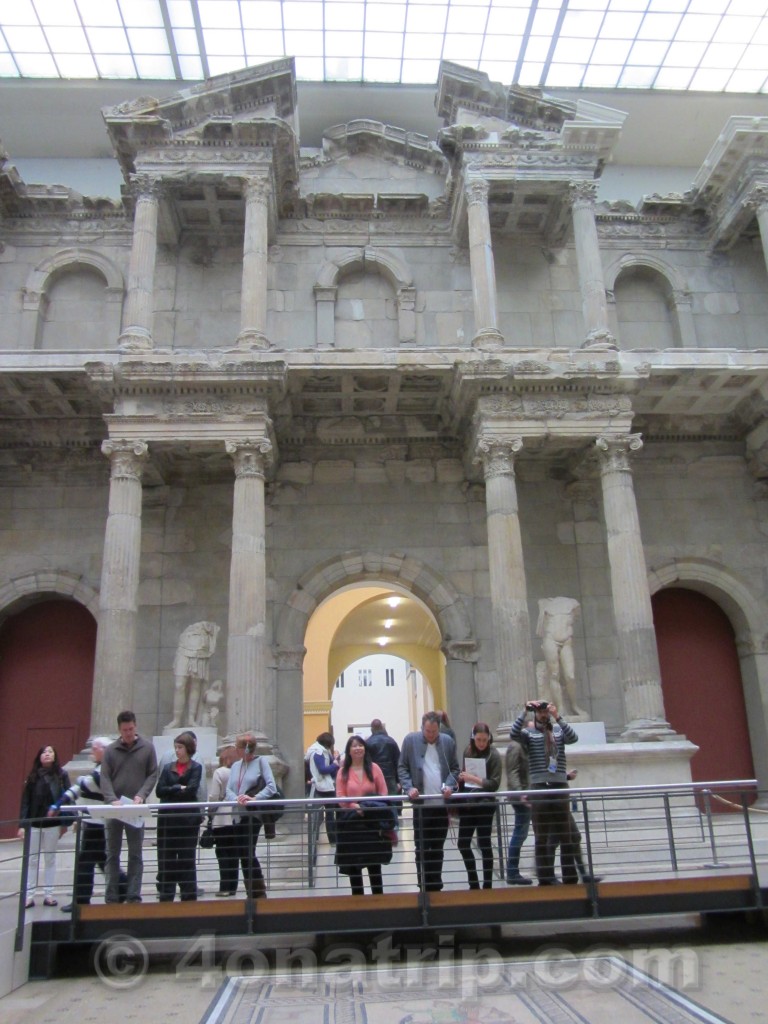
{"x":212,"y":704}
{"x":555,"y":628}
{"x":190,"y":670}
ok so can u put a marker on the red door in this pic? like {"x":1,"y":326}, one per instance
{"x":46,"y":682}
{"x":701,"y":683}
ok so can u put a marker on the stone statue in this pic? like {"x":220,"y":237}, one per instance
{"x":190,"y":670}
{"x":555,"y":627}
{"x":212,"y":704}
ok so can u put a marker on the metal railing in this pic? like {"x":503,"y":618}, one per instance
{"x":626,"y":833}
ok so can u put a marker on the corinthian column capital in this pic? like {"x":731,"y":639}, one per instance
{"x":757,"y":197}
{"x":497,"y":454}
{"x":250,"y":456}
{"x":614,"y":450}
{"x":256,"y":190}
{"x":476,"y":190}
{"x":127,"y":457}
{"x":582,"y":193}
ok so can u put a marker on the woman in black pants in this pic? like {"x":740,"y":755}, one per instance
{"x":177,"y":828}
{"x":481,"y":774}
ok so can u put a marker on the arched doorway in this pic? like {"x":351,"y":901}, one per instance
{"x":367,"y":645}
{"x":701,"y":683}
{"x":46,"y":681}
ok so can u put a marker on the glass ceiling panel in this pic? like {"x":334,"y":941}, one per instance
{"x":713,"y":45}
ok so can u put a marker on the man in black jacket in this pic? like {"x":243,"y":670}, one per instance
{"x":385,"y":753}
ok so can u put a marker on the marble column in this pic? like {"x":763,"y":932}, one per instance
{"x":633,"y":617}
{"x":253,"y":300}
{"x":138,"y":311}
{"x":247,"y":698}
{"x":487,"y":334}
{"x":590,"y":268}
{"x":509,"y":596}
{"x":118,"y":598}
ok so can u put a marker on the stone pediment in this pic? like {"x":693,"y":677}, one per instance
{"x":239,"y":125}
{"x":733,"y":180}
{"x":218,"y":106}
{"x":528,"y":147}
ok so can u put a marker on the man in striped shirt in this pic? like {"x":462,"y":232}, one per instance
{"x":545,"y":740}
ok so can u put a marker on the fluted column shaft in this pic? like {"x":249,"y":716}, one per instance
{"x":590,"y":267}
{"x":509,"y":595}
{"x":118,"y":598}
{"x":633,"y":616}
{"x":139,"y":300}
{"x":758,"y":200}
{"x":481,"y":266}
{"x":253,"y":301}
{"x":246,"y":646}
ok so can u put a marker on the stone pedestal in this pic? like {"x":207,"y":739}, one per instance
{"x":663,"y":763}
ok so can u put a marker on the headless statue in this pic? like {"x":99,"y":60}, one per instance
{"x":190,"y":670}
{"x":555,"y":627}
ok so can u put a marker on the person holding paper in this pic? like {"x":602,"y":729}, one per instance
{"x":128,"y":776}
{"x":481,"y":774}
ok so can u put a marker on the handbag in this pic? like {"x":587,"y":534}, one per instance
{"x":207,"y":838}
{"x":275,"y":811}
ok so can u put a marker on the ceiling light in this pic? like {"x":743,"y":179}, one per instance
{"x":393,"y":601}
{"x":389,"y":623}
{"x":383,"y":641}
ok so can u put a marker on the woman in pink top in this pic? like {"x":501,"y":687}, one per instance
{"x":361,"y":841}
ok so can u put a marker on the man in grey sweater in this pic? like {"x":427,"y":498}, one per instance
{"x":129,"y":769}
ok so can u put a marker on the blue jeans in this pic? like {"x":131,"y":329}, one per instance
{"x":518,"y":837}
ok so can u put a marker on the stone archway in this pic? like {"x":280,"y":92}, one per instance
{"x":400,"y":571}
{"x":747,"y":616}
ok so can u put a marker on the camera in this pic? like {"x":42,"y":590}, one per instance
{"x":537,"y":705}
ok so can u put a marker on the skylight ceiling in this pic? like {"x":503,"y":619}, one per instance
{"x":706,"y":45}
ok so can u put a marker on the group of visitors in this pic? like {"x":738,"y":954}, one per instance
{"x":352,"y":792}
{"x":124,"y":775}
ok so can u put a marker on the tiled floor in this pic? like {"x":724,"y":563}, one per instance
{"x":721,"y":969}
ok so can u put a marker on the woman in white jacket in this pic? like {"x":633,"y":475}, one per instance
{"x":250,"y":783}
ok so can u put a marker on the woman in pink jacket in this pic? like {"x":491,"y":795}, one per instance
{"x":364,"y":838}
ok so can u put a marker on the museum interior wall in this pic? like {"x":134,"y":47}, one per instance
{"x":270,"y":371}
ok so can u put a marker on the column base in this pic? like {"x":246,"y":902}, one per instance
{"x":488,"y":340}
{"x":135,"y":339}
{"x":650,"y":730}
{"x":600,"y":339}
{"x":250,"y":339}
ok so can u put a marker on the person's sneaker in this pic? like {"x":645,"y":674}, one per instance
{"x":591,"y":878}
{"x":66,"y":909}
{"x":519,"y":880}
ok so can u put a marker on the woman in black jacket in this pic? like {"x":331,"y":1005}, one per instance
{"x":43,"y":786}
{"x":178,"y":828}
{"x":481,"y":775}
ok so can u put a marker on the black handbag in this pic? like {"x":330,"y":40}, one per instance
{"x":207,"y":838}
{"x":267,"y":815}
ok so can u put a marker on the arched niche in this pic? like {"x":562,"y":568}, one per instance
{"x":650,"y":303}
{"x":747,"y":614}
{"x":362,"y":263}
{"x":73,"y":300}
